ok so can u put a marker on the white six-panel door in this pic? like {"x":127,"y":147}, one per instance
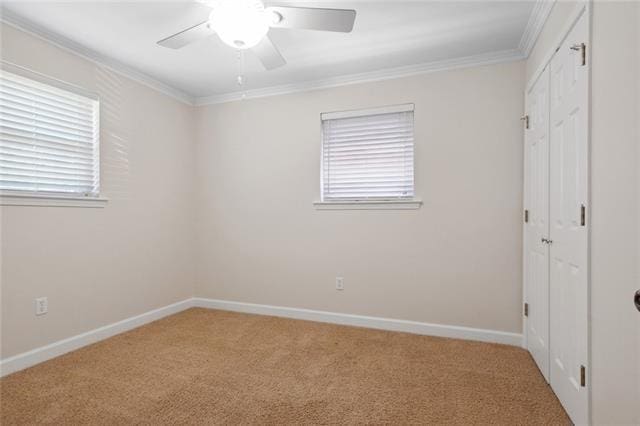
{"x":536,"y":193}
{"x":568,"y":231}
{"x":555,"y":234}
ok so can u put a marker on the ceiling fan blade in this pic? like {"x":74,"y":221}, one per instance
{"x":187,"y":36}
{"x":268,"y":54}
{"x":340,"y":20}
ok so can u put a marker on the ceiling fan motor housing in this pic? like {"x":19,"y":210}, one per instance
{"x":240,"y":24}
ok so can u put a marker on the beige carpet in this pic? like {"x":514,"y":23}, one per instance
{"x":213,"y":367}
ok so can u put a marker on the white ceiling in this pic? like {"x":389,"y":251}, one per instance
{"x":387,"y":34}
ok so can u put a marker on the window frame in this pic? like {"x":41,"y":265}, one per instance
{"x":50,"y":198}
{"x":376,"y":203}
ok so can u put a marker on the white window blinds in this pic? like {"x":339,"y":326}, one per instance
{"x":48,"y":139}
{"x":368,"y":155}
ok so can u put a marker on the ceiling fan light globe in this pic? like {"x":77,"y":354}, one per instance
{"x":240,"y":24}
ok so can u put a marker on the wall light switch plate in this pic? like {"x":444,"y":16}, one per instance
{"x":42,"y":305}
{"x":339,"y":283}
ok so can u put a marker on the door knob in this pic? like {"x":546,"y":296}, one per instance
{"x":636,"y":300}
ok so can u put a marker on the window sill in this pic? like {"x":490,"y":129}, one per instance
{"x":413,"y":204}
{"x":45,"y":200}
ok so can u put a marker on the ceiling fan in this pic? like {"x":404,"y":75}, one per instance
{"x":244,"y":24}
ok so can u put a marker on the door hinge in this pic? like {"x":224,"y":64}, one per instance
{"x":525,"y":118}
{"x":526,"y":309}
{"x":583,"y":51}
{"x":526,"y":216}
{"x":583,"y":376}
{"x":583,"y":214}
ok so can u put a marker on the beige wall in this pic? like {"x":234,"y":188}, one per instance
{"x":615,"y":324}
{"x":615,"y":198}
{"x":455,"y":261}
{"x":98,"y":266}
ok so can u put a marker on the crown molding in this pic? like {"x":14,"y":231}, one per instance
{"x":366,"y":77}
{"x":67,"y":44}
{"x":539,"y":14}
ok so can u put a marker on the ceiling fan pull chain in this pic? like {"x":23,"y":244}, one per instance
{"x":241,"y":77}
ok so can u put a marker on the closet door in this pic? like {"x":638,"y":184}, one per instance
{"x":536,"y":261}
{"x":568,"y":223}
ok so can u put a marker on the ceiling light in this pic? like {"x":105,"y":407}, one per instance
{"x":240,"y":23}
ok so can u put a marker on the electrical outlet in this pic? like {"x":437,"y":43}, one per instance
{"x":42,"y":305}
{"x":339,"y":283}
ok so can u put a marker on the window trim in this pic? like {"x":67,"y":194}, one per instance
{"x":398,"y":204}
{"x":394,"y":203}
{"x":52,"y":199}
{"x":24,"y":199}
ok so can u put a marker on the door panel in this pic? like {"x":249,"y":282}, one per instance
{"x":536,"y":265}
{"x":569,"y":248}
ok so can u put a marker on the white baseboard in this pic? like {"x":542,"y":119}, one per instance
{"x":415,"y":327}
{"x":61,"y":347}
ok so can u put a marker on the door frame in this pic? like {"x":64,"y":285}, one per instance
{"x":585,"y":8}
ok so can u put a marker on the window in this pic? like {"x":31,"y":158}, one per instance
{"x":49,"y":139}
{"x":368,"y":155}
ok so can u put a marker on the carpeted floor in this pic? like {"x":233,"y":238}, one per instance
{"x":213,"y":367}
